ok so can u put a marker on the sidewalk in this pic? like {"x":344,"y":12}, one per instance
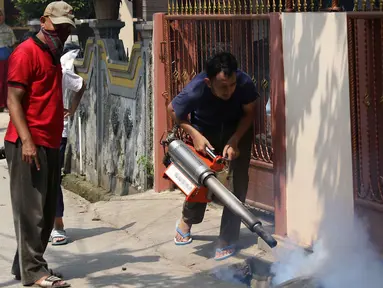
{"x":150,"y":218}
{"x":128,"y":242}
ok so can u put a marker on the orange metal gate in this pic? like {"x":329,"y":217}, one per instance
{"x":365,"y":35}
{"x":193,"y":33}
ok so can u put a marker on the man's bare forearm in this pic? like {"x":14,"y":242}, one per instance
{"x":17,"y":114}
{"x":187,"y":127}
{"x":184,"y":124}
{"x":76,"y":99}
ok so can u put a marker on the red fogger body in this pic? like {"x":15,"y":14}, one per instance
{"x":193,"y":191}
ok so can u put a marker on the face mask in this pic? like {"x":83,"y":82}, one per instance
{"x":54,"y":42}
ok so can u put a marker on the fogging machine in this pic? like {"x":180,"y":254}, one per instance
{"x":196,"y":176}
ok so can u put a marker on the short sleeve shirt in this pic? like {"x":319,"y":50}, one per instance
{"x":208,"y":112}
{"x":71,"y":82}
{"x":32,"y":68}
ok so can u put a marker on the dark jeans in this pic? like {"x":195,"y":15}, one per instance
{"x":60,"y":198}
{"x":193,"y":213}
{"x":33,"y":197}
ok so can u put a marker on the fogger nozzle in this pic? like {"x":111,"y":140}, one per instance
{"x":236,"y":206}
{"x":266,"y":236}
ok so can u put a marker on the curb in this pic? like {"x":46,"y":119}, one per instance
{"x":78,"y":185}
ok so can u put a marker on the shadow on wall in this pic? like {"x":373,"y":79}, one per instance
{"x":319,"y":159}
{"x":318,"y":134}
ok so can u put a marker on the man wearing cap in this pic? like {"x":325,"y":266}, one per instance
{"x":32,"y":142}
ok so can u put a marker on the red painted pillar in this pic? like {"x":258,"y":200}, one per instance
{"x":278,"y":114}
{"x":159,"y":111}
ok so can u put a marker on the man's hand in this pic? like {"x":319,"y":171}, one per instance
{"x":200,"y":144}
{"x":67,"y":113}
{"x":29,"y":153}
{"x":231,"y":150}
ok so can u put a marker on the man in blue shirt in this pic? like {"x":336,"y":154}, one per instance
{"x":221,"y":104}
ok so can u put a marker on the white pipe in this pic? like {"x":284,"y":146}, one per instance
{"x":80,"y":144}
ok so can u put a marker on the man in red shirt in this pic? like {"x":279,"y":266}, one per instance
{"x":32,"y":142}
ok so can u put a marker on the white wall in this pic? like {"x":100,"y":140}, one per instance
{"x":126,"y":33}
{"x":318,"y":136}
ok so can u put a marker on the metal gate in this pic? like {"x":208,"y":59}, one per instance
{"x":194,"y":31}
{"x":365,"y":35}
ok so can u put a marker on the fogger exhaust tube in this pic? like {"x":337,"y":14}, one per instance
{"x":237,"y":207}
{"x":197,"y":170}
{"x":188,"y":161}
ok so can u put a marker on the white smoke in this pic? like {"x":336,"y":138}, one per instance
{"x":343,"y":255}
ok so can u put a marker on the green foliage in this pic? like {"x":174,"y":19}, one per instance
{"x":34,"y":9}
{"x":145,"y":163}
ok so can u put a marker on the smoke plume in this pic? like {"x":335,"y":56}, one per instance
{"x":343,"y":255}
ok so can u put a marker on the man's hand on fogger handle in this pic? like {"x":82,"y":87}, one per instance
{"x":201,"y":143}
{"x":231,"y":151}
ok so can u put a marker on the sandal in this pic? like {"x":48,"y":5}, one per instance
{"x":59,"y":234}
{"x":52,"y":281}
{"x":183,"y":235}
{"x":221,"y":250}
{"x":57,"y":274}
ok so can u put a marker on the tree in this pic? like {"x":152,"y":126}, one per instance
{"x":34,"y":9}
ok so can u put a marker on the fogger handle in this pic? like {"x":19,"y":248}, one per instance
{"x":210,"y":152}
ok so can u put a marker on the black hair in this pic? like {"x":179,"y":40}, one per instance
{"x":69,"y":47}
{"x":221,"y":62}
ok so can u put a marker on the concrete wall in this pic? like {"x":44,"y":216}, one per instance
{"x":318,"y":144}
{"x":115,"y":126}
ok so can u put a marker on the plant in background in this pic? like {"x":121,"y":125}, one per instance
{"x":34,"y":9}
{"x":145,"y":163}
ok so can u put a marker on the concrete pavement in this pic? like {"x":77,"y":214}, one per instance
{"x":128,"y":242}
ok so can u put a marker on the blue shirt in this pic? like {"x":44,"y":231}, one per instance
{"x":209,"y":112}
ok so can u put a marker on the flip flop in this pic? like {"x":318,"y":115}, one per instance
{"x":183,"y":235}
{"x":52,"y":281}
{"x":57,"y":234}
{"x":57,"y":274}
{"x":220,"y":250}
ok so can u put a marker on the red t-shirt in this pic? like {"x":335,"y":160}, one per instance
{"x":32,"y":68}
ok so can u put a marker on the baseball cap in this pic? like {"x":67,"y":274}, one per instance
{"x":60,"y":12}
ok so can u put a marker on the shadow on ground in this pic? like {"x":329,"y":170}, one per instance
{"x":77,"y":234}
{"x":249,"y":273}
{"x":83,"y":266}
{"x":9,"y":283}
{"x":79,"y":266}
{"x":152,"y":280}
{"x":207,"y":249}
